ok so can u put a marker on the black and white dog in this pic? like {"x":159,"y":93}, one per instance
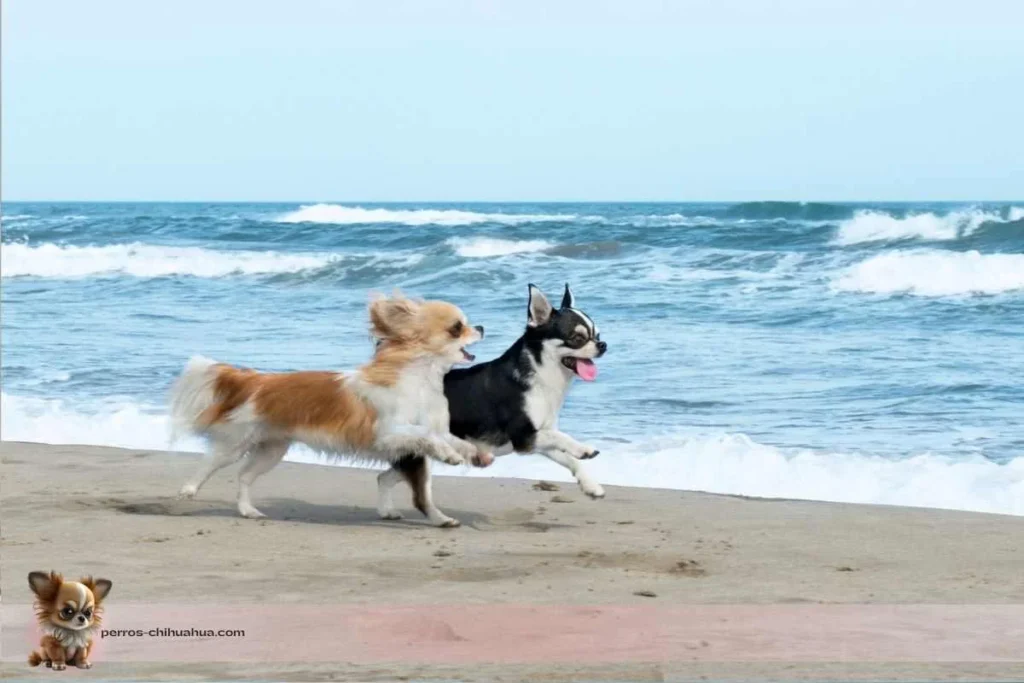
{"x":512,"y":402}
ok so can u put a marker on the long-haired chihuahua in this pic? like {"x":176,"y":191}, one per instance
{"x":69,"y":613}
{"x":390,"y":407}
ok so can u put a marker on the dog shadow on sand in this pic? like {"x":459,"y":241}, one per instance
{"x":284,"y":510}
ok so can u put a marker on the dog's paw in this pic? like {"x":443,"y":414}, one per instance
{"x":482,"y":459}
{"x":465,"y":449}
{"x":449,"y":523}
{"x":593,"y":490}
{"x":250,"y":512}
{"x":84,"y":665}
{"x":450,"y":456}
{"x":59,"y":666}
{"x":389,"y":514}
{"x":589,"y":452}
{"x":187,"y":492}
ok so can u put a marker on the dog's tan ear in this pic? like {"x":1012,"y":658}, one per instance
{"x":44,"y":585}
{"x":392,"y":317}
{"x":99,"y":587}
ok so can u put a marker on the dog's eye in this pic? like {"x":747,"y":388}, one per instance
{"x":88,"y":614}
{"x":67,"y":613}
{"x":578,"y":339}
{"x":456,"y":329}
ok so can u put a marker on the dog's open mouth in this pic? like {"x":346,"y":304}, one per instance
{"x":467,"y":356}
{"x":584,"y":368}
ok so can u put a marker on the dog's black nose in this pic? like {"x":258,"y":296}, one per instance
{"x":480,"y":329}
{"x":601,"y":347}
{"x":81,"y":619}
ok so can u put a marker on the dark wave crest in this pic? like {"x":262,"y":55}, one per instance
{"x":802,"y":211}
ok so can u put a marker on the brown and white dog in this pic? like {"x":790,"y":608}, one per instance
{"x":69,"y":613}
{"x":390,"y":407}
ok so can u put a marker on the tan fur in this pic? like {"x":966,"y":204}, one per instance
{"x":313,"y":400}
{"x":408,"y":330}
{"x":51,"y":652}
{"x":316,"y":400}
{"x":388,"y":363}
{"x":53,"y":594}
{"x":392,"y":406}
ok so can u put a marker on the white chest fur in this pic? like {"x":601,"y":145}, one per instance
{"x":546,"y":394}
{"x":417,"y":398}
{"x":70,"y":639}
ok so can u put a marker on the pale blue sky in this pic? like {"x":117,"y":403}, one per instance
{"x":519,"y":99}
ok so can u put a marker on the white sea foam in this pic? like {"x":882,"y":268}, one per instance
{"x":46,"y":376}
{"x":934,"y":273}
{"x":878,"y":226}
{"x":735,"y":464}
{"x":352,"y":215}
{"x":144,"y":260}
{"x":484,"y":247}
{"x":719,"y":463}
{"x":113,"y":422}
{"x":118,"y":422}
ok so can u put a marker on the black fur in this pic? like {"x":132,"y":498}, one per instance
{"x":487,"y":402}
{"x":414,"y":469}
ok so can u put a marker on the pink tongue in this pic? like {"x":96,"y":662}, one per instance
{"x":586,"y":369}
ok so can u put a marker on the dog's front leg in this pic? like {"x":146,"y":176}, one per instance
{"x":81,"y":658}
{"x":471,"y":452}
{"x":552,"y":438}
{"x":421,"y":442}
{"x":563,"y":449}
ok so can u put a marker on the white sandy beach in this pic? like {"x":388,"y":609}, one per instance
{"x":112,"y":513}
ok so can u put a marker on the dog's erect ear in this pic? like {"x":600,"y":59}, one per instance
{"x":99,"y":587}
{"x":45,"y":585}
{"x":568,"y":300}
{"x":392,"y":317}
{"x":539,"y":310}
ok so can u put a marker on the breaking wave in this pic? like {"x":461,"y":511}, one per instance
{"x":143,"y":260}
{"x":484,"y":247}
{"x":718,"y":463}
{"x":878,"y":226}
{"x":355,"y":215}
{"x":934,"y":273}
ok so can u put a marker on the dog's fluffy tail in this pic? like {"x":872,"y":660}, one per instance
{"x":35,"y":659}
{"x":192,"y":396}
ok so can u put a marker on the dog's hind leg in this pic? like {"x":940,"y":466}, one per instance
{"x":386,"y":481}
{"x":261,"y":459}
{"x":222,"y":454}
{"x":416,"y":470}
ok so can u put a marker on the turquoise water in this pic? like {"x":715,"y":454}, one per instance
{"x":870,"y":353}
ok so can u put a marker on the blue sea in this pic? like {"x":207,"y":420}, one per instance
{"x":869,"y":353}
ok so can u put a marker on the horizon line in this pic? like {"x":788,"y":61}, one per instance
{"x":510,"y":201}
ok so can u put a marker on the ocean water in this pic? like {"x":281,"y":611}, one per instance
{"x":846,"y":352}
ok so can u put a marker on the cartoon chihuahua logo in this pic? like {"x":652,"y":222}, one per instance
{"x":69,"y":613}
